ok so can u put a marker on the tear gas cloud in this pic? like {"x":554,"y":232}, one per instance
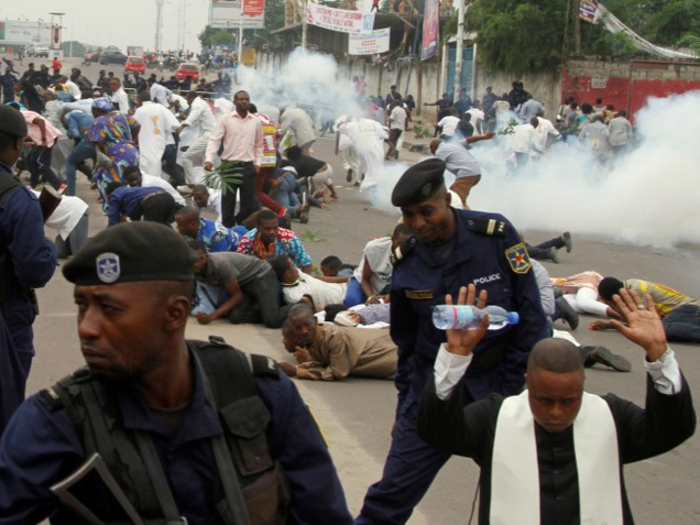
{"x":650,"y":196}
{"x":305,"y":79}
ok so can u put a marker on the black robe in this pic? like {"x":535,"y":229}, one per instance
{"x":469,"y":431}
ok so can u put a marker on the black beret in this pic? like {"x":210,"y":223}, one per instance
{"x":12,"y":122}
{"x":136,"y":251}
{"x":419,"y":182}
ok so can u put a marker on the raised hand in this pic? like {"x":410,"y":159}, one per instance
{"x":643,"y":325}
{"x":463,"y":342}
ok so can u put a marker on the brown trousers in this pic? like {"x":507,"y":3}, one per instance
{"x":463,"y":185}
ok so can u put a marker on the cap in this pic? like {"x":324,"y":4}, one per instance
{"x":128,"y":252}
{"x":102,"y":103}
{"x":419,"y":182}
{"x":12,"y":122}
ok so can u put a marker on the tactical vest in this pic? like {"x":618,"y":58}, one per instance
{"x":250,"y":488}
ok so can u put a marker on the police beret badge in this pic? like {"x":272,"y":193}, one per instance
{"x":518,"y":258}
{"x":108,"y":267}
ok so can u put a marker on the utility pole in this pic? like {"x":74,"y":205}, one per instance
{"x":577,"y":27}
{"x":159,"y":24}
{"x":459,"y":49}
{"x":303,"y":26}
{"x":240,"y":41}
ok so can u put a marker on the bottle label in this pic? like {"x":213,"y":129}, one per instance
{"x":462,"y":317}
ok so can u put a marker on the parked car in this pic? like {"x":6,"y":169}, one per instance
{"x":190,"y":71}
{"x":109,"y":56}
{"x":37,"y":50}
{"x":134,"y":63}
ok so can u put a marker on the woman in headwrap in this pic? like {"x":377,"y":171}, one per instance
{"x":113,"y":135}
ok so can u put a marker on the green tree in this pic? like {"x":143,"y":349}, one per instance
{"x":519,"y":36}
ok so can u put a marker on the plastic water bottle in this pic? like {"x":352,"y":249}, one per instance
{"x":465,"y":317}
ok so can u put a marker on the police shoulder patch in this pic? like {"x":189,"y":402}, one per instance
{"x":518,"y":258}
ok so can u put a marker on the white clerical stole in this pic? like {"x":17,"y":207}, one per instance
{"x":515,"y":486}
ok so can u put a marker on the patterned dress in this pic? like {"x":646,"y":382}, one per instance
{"x":112,"y":134}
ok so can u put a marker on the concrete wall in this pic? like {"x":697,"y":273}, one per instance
{"x":545,"y":86}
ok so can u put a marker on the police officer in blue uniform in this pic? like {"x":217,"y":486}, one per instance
{"x":27,"y":261}
{"x":449,"y":249}
{"x":133,"y":284}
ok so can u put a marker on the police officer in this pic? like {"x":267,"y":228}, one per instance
{"x":133,"y":284}
{"x":27,"y":261}
{"x":450,"y":248}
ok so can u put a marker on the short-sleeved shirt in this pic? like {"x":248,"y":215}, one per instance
{"x":666,"y":299}
{"x":457,"y":159}
{"x":287,"y":244}
{"x":226,"y":267}
{"x":377,"y":253}
{"x":397,"y":118}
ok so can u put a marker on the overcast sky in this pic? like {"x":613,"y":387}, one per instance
{"x":119,"y":23}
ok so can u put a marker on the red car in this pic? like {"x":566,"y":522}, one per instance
{"x":135,"y":64}
{"x":190,"y":71}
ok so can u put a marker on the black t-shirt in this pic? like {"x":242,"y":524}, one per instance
{"x":307,"y":166}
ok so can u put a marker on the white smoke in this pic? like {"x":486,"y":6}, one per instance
{"x":306,"y":79}
{"x":651,"y":196}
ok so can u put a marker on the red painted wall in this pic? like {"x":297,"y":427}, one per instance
{"x":621,"y":90}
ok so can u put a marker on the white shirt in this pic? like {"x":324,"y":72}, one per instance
{"x":522,"y":138}
{"x":84,"y":105}
{"x":157,"y":126}
{"x":64,"y":218}
{"x":160,"y":94}
{"x":477,"y":118}
{"x":542,"y":133}
{"x":323,"y":293}
{"x":74,"y":89}
{"x":397,"y":118}
{"x":200,"y":116}
{"x":150,"y":181}
{"x":213,"y":203}
{"x":121,"y":100}
{"x":449,"y":125}
{"x":344,"y":141}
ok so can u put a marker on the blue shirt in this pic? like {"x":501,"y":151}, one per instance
{"x":423,"y":278}
{"x":76,"y":121}
{"x":41,"y":447}
{"x":127,"y":201}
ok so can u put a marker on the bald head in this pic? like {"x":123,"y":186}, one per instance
{"x":555,"y":355}
{"x":187,"y":221}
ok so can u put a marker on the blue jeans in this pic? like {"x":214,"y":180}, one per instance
{"x":83,"y":151}
{"x":683,"y":324}
{"x":286,"y":196}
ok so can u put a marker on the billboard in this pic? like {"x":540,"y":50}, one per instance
{"x":231,"y":14}
{"x":587,"y":10}
{"x":431,"y":29}
{"x":340,"y":20}
{"x":377,"y":42}
{"x":18,"y":32}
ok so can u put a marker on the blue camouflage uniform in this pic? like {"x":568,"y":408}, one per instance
{"x":487,"y":251}
{"x":33,"y":262}
{"x":41,"y":447}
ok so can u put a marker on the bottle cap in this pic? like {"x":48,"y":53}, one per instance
{"x":513,"y":318}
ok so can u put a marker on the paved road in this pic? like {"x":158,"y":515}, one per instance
{"x":356,"y":416}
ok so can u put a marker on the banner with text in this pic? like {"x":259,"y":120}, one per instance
{"x":587,"y":10}
{"x":234,"y":13}
{"x":340,"y":20}
{"x":377,"y":42}
{"x":431,"y":29}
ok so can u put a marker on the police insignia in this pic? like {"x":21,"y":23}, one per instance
{"x":518,"y":259}
{"x":108,"y":268}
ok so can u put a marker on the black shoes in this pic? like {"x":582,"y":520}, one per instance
{"x":568,"y":314}
{"x":567,"y":242}
{"x":602,"y":355}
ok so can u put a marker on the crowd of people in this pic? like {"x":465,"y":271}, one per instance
{"x":198,"y":430}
